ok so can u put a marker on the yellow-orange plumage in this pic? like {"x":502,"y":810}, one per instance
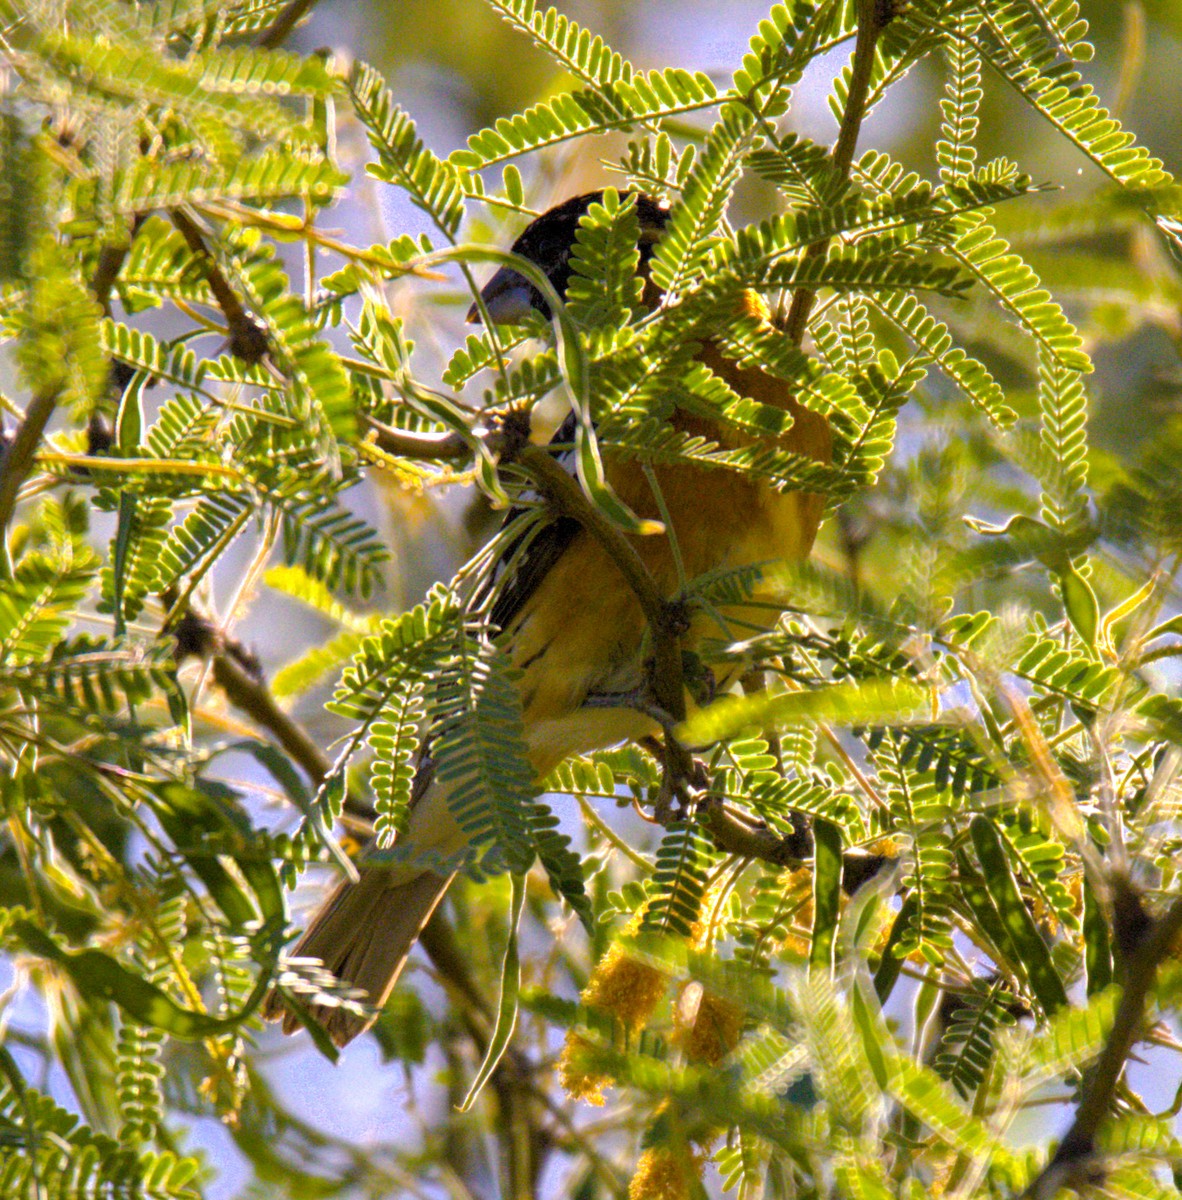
{"x":578,"y":639}
{"x":581,"y":631}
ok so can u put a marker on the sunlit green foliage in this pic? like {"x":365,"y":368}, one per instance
{"x":952,"y":762}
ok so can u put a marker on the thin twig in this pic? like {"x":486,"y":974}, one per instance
{"x":17,"y":462}
{"x":248,"y":339}
{"x":609,"y":834}
{"x":847,"y":761}
{"x":873,"y":16}
{"x":274,"y":35}
{"x":1077,"y":1147}
{"x":405,"y":443}
{"x":287,"y":224}
{"x":133,"y":466}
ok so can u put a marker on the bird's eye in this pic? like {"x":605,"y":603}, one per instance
{"x":550,"y":249}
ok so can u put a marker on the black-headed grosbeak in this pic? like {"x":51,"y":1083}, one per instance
{"x":569,"y":621}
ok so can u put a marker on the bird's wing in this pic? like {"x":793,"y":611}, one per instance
{"x":529,"y":556}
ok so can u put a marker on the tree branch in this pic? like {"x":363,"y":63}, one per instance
{"x":248,"y":339}
{"x":666,"y":620}
{"x":433,"y":447}
{"x":749,"y":841}
{"x":1073,"y":1157}
{"x":110,"y":262}
{"x":873,"y":18}
{"x":250,"y":694}
{"x":288,"y":19}
{"x":17,"y":462}
{"x":564,"y":495}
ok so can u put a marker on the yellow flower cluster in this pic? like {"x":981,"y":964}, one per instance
{"x":665,"y":1173}
{"x":623,"y":988}
{"x":714,"y":1031}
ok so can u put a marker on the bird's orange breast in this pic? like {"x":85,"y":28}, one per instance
{"x":582,"y":631}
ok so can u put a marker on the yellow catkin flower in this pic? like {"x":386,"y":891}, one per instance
{"x":796,"y":883}
{"x":663,"y":1173}
{"x":624,"y":988}
{"x":621,"y":987}
{"x":715,"y":1031}
{"x":575,"y":1076}
{"x":1075,"y":884}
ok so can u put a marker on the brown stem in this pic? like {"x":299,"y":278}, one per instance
{"x":109,"y":264}
{"x":665,"y":620}
{"x":17,"y":462}
{"x":248,"y":340}
{"x":736,"y":837}
{"x":250,"y":695}
{"x":873,"y":17}
{"x":1155,"y":945}
{"x":288,"y":19}
{"x":565,"y":496}
{"x":404,"y":443}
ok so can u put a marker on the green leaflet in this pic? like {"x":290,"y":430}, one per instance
{"x":480,"y":754}
{"x":1014,"y":285}
{"x":826,"y":893}
{"x":204,"y":829}
{"x":890,"y":965}
{"x":686,"y":243}
{"x":432,"y":183}
{"x":101,"y":978}
{"x":844,"y":703}
{"x":584,"y":55}
{"x":1022,"y":58}
{"x":394,"y":739}
{"x":921,"y":810}
{"x":506,"y":1021}
{"x":679,"y":880}
{"x":955,"y":152}
{"x":604,"y":289}
{"x":619,"y":104}
{"x":1029,"y":952}
{"x":927,"y":1097}
{"x":573,"y":358}
{"x":42,"y":1141}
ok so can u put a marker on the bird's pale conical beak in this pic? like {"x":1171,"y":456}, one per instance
{"x":508,"y":296}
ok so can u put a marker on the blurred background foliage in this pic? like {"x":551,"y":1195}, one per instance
{"x":168,"y":1093}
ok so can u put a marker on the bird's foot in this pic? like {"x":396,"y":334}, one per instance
{"x":640,"y":700}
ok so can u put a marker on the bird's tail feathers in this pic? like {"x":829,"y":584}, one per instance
{"x":363,"y":934}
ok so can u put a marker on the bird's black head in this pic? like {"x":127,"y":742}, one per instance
{"x":547,"y":241}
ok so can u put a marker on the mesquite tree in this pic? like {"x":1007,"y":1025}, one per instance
{"x":922,"y":875}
